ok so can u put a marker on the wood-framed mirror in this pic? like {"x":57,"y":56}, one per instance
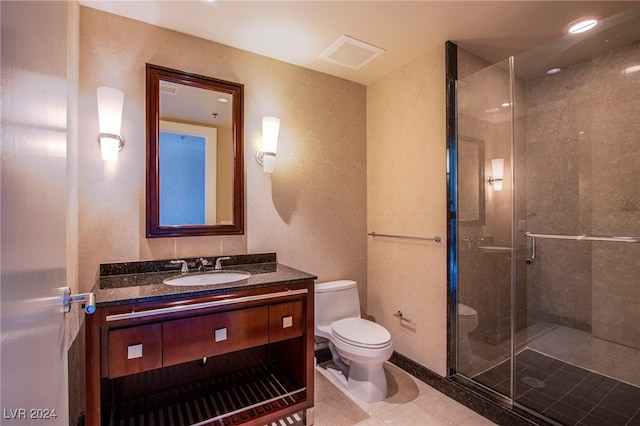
{"x":471,"y":180}
{"x":195,"y":172}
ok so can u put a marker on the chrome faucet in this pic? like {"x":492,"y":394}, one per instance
{"x":185,"y":268}
{"x":218,"y":264}
{"x":201,"y":263}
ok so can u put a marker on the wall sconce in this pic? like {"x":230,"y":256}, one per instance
{"x":266,"y":157}
{"x":497,"y":171}
{"x":110,"y":103}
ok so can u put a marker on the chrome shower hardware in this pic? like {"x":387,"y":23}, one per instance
{"x":533,"y":250}
{"x":533,"y":237}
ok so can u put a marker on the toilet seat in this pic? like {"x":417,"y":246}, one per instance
{"x":466,"y":311}
{"x":361,"y":333}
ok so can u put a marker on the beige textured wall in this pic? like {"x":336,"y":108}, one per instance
{"x":311,"y":211}
{"x":406,"y":170}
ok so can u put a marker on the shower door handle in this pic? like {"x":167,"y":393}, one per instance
{"x":533,"y":237}
{"x":583,"y":237}
{"x":532,"y":259}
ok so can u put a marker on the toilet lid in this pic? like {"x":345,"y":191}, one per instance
{"x":360,"y":332}
{"x":466,"y":311}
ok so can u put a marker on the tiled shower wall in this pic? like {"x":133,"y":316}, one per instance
{"x":582,"y":158}
{"x":577,"y":149}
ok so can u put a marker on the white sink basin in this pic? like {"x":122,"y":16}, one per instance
{"x":207,"y":279}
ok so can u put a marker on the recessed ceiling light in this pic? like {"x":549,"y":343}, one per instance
{"x":554,"y":71}
{"x":223,"y":100}
{"x":582,"y":25}
{"x":506,"y":104}
{"x":632,"y":69}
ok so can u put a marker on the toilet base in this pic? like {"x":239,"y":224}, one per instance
{"x":368,"y":384}
{"x":366,"y":381}
{"x":337,"y":374}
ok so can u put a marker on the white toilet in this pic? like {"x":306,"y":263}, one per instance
{"x":467,"y":322}
{"x":359,"y":347}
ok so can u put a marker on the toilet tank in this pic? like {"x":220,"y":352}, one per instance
{"x":336,"y":300}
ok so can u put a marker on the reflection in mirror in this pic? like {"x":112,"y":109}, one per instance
{"x":194,"y":155}
{"x":470,"y":180}
{"x":188,"y":172}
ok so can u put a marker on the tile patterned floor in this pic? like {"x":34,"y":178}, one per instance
{"x":566,"y":393}
{"x":584,"y":350}
{"x":410,"y":402}
{"x":572,"y":346}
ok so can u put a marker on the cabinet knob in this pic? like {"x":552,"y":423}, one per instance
{"x":220,"y":334}
{"x":287,"y":321}
{"x":134,"y":351}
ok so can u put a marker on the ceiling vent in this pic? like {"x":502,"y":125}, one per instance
{"x":351,"y":53}
{"x":168,"y":89}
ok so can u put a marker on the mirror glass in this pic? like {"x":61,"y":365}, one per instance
{"x":470,"y":180}
{"x":194,"y":155}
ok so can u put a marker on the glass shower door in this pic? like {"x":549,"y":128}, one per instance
{"x":484,"y":227}
{"x":548,"y":258}
{"x":578,"y":149}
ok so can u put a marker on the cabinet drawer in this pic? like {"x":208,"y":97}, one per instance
{"x":285,"y":321}
{"x":208,"y":335}
{"x":135,"y":349}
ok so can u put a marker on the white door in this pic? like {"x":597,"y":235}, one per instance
{"x":33,"y":352}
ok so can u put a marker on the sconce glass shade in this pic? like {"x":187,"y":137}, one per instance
{"x":270,"y":131}
{"x":110,"y":102}
{"x":497,"y":173}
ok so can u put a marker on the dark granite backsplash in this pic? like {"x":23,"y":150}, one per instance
{"x":164,"y":265}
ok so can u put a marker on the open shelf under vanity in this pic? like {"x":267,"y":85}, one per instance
{"x":229,"y":398}
{"x":241,"y":358}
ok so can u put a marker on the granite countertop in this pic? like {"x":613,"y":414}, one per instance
{"x":137,"y":282}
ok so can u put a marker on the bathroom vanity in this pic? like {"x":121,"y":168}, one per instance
{"x":231,"y":353}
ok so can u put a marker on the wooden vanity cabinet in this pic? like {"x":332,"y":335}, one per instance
{"x":223,"y":354}
{"x":187,"y":339}
{"x":134,"y":350}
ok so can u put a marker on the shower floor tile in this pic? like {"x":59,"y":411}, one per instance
{"x":566,"y":393}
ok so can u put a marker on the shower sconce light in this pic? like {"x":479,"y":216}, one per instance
{"x":497,"y":172}
{"x":266,"y":157}
{"x":110,"y":103}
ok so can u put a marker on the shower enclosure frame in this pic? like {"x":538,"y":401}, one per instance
{"x":521,"y":237}
{"x":506,"y":401}
{"x":451,"y":75}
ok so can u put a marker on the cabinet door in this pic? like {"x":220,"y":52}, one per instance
{"x":208,"y":335}
{"x":285,"y":321}
{"x":135,"y":349}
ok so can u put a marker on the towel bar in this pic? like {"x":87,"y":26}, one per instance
{"x":437,"y":238}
